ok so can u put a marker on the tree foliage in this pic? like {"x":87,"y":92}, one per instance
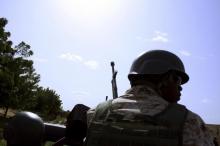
{"x":18,"y":79}
{"x":48,"y":103}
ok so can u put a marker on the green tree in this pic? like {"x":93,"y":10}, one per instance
{"x":18,"y":79}
{"x":25,"y":78}
{"x":6,"y":57}
{"x":19,"y":87}
{"x":48,"y":103}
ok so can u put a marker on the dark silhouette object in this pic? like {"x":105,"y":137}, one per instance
{"x":215,"y":141}
{"x":28,"y":129}
{"x":24,"y":129}
{"x":76,"y":127}
{"x":114,"y":83}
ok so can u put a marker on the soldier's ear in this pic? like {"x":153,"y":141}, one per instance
{"x":162,"y":84}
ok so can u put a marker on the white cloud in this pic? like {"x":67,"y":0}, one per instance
{"x":71,"y":56}
{"x":91,"y":64}
{"x":161,"y":33}
{"x":205,"y":100}
{"x":185,"y":53}
{"x":160,"y":37}
{"x":157,"y":37}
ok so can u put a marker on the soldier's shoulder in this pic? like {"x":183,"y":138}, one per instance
{"x":195,"y":131}
{"x":193,"y":117}
{"x":194,"y":122}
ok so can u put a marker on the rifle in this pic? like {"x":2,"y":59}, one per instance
{"x":114,"y":85}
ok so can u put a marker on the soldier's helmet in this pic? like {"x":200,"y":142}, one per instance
{"x":157,"y":62}
{"x":24,"y":129}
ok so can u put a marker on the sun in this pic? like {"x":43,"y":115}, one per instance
{"x":93,"y":7}
{"x":88,"y":9}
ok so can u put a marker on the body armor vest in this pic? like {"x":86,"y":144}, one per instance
{"x":109,"y":129}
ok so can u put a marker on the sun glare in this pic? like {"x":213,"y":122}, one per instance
{"x":93,"y":7}
{"x":92,"y":10}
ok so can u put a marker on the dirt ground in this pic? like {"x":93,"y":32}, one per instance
{"x":10,"y":113}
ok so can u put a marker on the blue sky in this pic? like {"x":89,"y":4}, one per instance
{"x":75,"y":40}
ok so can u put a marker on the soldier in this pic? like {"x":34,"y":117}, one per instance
{"x":148,"y":113}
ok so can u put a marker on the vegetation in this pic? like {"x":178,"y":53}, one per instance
{"x":19,"y":87}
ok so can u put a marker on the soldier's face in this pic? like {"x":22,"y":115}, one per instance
{"x":171,"y":92}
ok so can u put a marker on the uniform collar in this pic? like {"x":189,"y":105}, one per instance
{"x":142,"y":89}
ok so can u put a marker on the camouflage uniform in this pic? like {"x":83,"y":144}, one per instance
{"x":144,"y":100}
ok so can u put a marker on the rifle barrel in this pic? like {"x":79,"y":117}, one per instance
{"x":114,"y":84}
